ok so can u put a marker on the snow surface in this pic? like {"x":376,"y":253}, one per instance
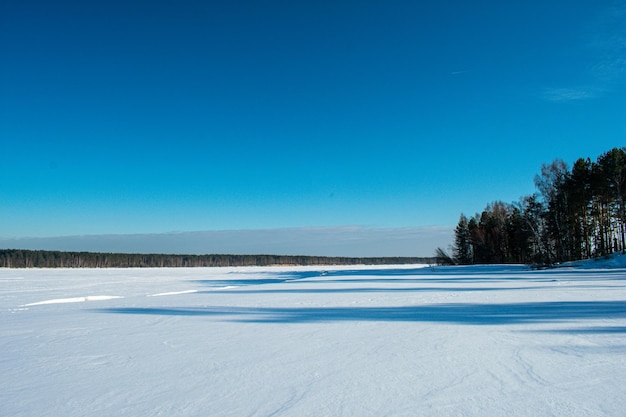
{"x":301,"y":341}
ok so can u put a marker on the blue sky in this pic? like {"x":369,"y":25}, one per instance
{"x":152,"y":117}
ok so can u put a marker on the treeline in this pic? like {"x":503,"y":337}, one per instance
{"x":17,"y":258}
{"x":576,"y":213}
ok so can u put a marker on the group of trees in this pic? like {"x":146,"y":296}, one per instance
{"x":17,"y":258}
{"x":577,"y":213}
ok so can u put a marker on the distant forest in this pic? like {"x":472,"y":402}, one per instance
{"x":576,"y":214}
{"x":17,"y":258}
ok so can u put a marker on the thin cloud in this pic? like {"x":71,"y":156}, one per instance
{"x":608,"y":40}
{"x":611,"y":69}
{"x":358,"y":241}
{"x":605,"y":44}
{"x":570,"y":94}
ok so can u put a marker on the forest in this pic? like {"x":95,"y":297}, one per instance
{"x":576,"y":213}
{"x":17,"y":258}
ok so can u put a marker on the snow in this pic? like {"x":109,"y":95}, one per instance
{"x":76,"y":299}
{"x":302,"y":341}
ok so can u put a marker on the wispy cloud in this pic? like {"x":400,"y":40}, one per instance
{"x":608,"y":40}
{"x":571,"y":94}
{"x":319,"y":241}
{"x":605,"y":48}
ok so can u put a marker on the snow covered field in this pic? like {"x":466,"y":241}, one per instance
{"x":295,"y":341}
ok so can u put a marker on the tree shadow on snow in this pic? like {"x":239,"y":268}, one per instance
{"x":299,"y":290}
{"x":438,"y":275}
{"x":447,"y":274}
{"x":470,"y":314}
{"x":588,"y":330}
{"x":273,"y":278}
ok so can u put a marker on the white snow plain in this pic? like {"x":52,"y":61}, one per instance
{"x":302,"y":341}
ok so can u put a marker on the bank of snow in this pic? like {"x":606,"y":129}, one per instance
{"x":366,"y":341}
{"x":612,"y":261}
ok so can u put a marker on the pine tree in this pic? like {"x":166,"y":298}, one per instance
{"x":462,"y":242}
{"x":612,"y":164}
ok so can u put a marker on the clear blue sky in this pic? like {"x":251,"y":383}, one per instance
{"x":124,"y":117}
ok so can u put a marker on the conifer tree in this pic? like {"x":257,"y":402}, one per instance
{"x":462,"y":242}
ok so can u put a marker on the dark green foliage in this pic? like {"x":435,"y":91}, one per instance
{"x":500,"y":234}
{"x":463,"y":253}
{"x":576,"y":214}
{"x":16,"y":258}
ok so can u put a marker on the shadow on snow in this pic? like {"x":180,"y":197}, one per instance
{"x":588,"y":330}
{"x":473,"y":314}
{"x":277,"y":278}
{"x":271,"y":290}
{"x":424,"y":275}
